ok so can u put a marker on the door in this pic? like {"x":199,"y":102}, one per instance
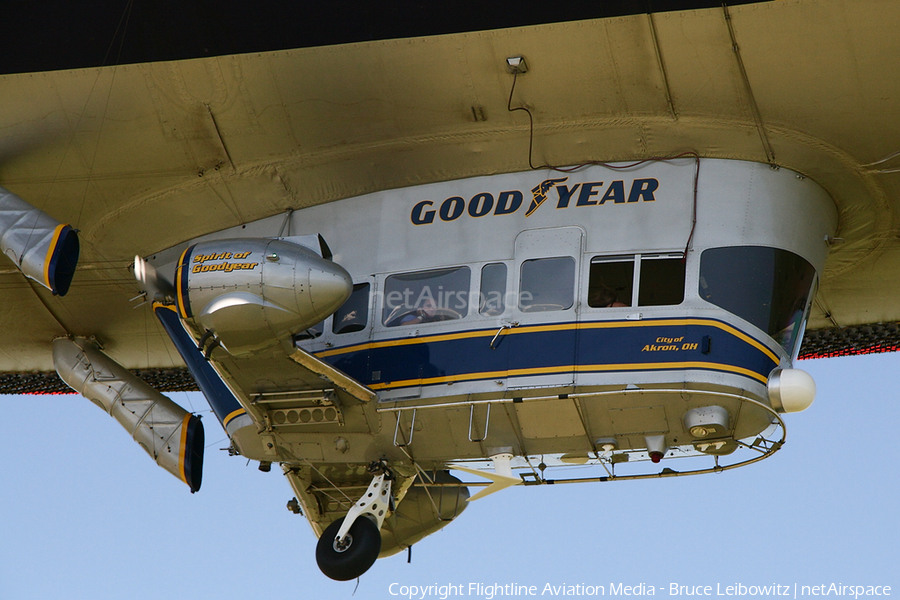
{"x":546,"y":279}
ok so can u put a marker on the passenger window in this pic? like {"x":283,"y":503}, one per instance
{"x":426,"y":297}
{"x":662,"y":281}
{"x":353,"y":315}
{"x":491,"y":301}
{"x":611,"y":281}
{"x":547,"y":284}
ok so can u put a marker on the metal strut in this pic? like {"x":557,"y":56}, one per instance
{"x":397,"y":430}
{"x":487,"y":422}
{"x":374,"y":504}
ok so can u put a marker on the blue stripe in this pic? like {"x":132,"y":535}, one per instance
{"x":182,"y":272}
{"x":63,"y":261}
{"x":194,"y":442}
{"x":562,"y":349}
{"x":219,"y":397}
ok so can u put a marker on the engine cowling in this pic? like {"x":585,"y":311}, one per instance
{"x":44,"y":249}
{"x":172,"y":436}
{"x":253,"y":293}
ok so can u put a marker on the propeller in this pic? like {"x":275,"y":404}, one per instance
{"x":156,"y":287}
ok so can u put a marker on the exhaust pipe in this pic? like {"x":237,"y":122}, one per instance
{"x":172,"y":436}
{"x":41,"y":247}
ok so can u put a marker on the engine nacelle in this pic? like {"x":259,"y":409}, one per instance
{"x":172,"y":436}
{"x":415,"y":516}
{"x":41,"y":247}
{"x":253,"y":293}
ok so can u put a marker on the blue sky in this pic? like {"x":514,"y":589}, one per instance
{"x":86,"y":514}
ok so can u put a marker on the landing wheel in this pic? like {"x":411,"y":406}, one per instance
{"x":361,"y":548}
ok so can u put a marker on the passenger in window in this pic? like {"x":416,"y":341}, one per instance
{"x":353,"y":315}
{"x":427,"y":313}
{"x":603,"y":297}
{"x":349,"y":323}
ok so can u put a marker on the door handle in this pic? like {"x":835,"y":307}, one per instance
{"x":499,"y":331}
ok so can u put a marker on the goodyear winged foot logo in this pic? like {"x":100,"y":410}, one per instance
{"x":539,"y":193}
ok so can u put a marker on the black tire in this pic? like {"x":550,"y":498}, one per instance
{"x":356,"y":558}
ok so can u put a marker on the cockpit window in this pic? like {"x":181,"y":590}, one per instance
{"x":353,"y":314}
{"x":547,"y":284}
{"x":426,"y":297}
{"x":768,"y":287}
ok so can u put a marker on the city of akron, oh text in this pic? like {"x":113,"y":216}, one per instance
{"x":667,"y":344}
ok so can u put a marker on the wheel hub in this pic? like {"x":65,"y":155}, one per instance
{"x":342,"y":545}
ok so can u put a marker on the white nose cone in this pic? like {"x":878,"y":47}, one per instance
{"x":791,"y":390}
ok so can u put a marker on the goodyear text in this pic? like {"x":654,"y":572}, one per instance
{"x":589,"y":193}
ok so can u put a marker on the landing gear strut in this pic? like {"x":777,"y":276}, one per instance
{"x":350,"y":545}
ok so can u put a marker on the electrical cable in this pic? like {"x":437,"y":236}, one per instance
{"x":617,"y":167}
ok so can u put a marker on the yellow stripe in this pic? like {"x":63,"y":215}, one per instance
{"x":156,"y":305}
{"x":567,"y":369}
{"x":556,"y":327}
{"x":673,"y":365}
{"x":444,"y":338}
{"x":446,"y":379}
{"x":231,"y":416}
{"x":53,"y":242}
{"x":724,"y":327}
{"x":407,"y":342}
{"x":178,"y":299}
{"x":183,"y":456}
